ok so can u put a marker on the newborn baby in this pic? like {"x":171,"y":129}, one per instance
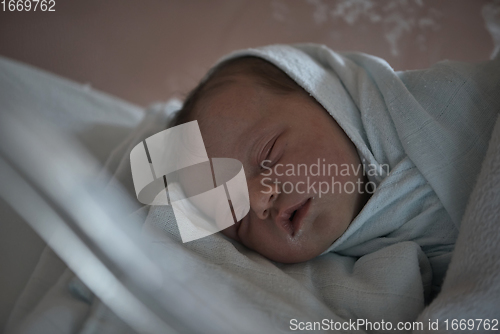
{"x":252,"y":111}
{"x":343,"y":154}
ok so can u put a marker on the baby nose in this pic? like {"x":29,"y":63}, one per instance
{"x":262,"y":196}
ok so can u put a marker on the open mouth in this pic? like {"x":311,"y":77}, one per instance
{"x":294,"y":223}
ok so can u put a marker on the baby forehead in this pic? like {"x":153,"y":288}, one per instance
{"x":225,"y":136}
{"x":228,"y":126}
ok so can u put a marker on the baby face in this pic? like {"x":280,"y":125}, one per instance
{"x":280,"y":138}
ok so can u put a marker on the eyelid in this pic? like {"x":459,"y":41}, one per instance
{"x":267,"y":150}
{"x":266,"y":143}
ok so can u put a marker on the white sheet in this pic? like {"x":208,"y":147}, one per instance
{"x":98,"y":120}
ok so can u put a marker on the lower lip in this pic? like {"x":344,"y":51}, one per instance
{"x":298,"y":219}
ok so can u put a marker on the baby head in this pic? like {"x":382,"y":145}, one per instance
{"x":291,"y":149}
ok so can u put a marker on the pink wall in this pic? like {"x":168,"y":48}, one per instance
{"x":149,"y":50}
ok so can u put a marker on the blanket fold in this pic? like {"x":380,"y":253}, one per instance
{"x":471,"y":289}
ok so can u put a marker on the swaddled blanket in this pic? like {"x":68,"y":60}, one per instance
{"x":421,"y":134}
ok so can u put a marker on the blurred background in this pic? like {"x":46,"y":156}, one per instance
{"x":151,"y":50}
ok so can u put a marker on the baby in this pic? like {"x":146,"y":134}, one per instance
{"x":343,"y":154}
{"x":252,"y":111}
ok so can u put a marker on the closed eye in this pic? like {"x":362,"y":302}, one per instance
{"x":267,"y":161}
{"x":271,"y":149}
